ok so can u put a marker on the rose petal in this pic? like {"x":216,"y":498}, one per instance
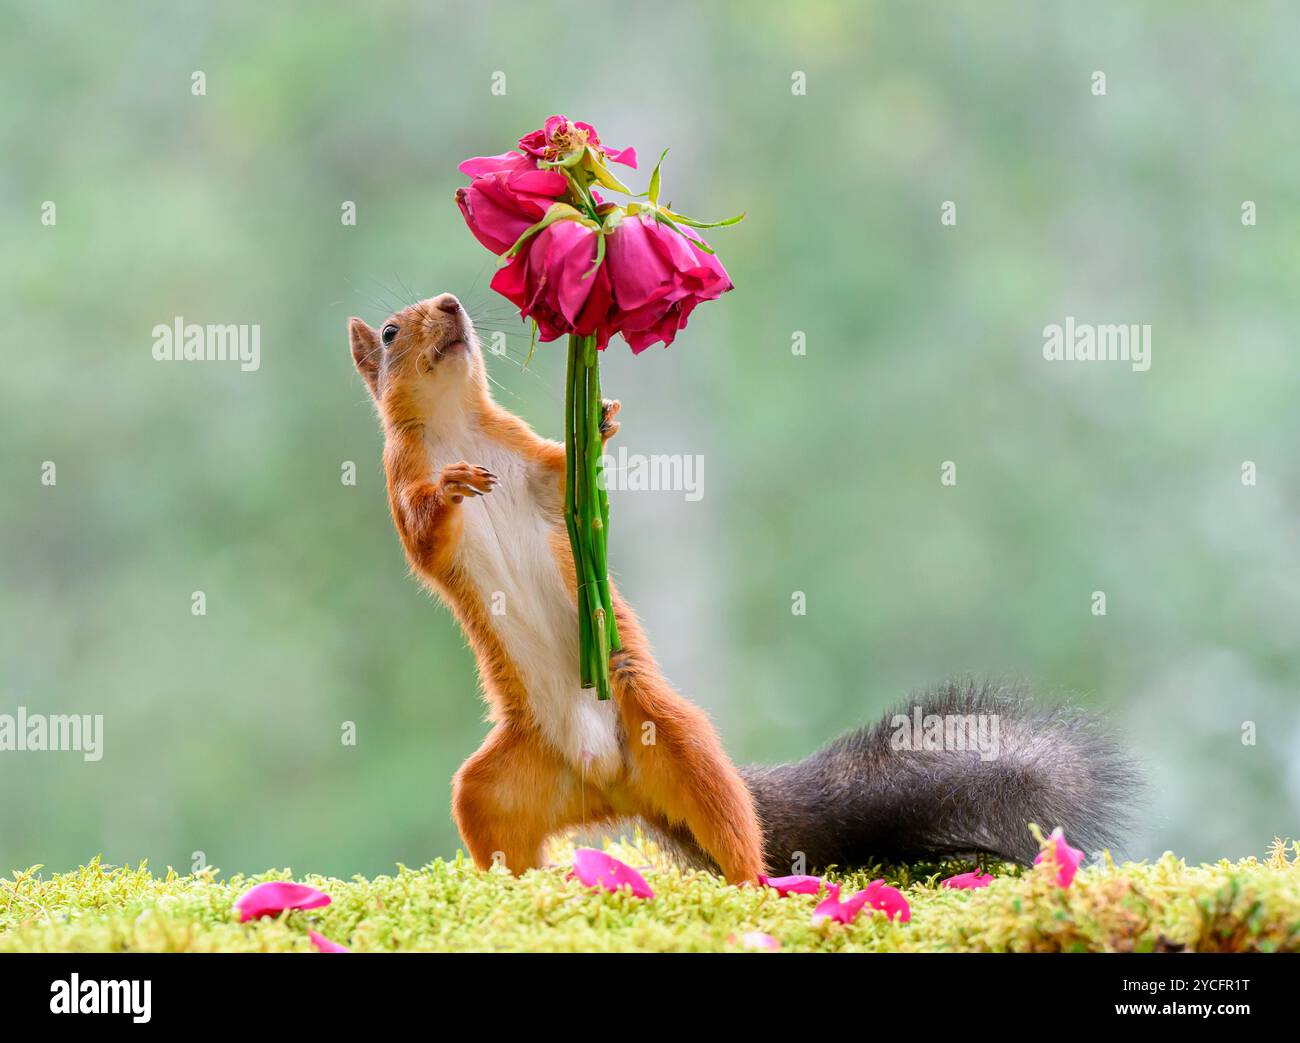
{"x":755,"y":940}
{"x":626,"y":156}
{"x":1059,"y":853}
{"x":549,"y":183}
{"x":640,"y":270}
{"x":275,"y":896}
{"x":323,"y":944}
{"x":597,"y":869}
{"x":478,"y":166}
{"x":832,"y":908}
{"x":968,"y":881}
{"x":500,"y":207}
{"x":792,"y":885}
{"x":489,"y":225}
{"x":889,"y":900}
{"x":877,"y":894}
{"x":570,"y":253}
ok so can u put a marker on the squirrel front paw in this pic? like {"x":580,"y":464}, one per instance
{"x":460,"y":480}
{"x":608,"y":411}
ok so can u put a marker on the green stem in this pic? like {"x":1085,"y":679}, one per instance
{"x":571,"y":513}
{"x":586,"y":564}
{"x":600,"y":502}
{"x":592,"y":526}
{"x":586,"y":514}
{"x":583,"y":192}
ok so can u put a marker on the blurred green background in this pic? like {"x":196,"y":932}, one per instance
{"x":222,"y":733}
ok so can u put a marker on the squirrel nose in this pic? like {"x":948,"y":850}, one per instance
{"x":448,"y":303}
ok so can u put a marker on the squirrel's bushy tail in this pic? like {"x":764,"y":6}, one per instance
{"x":863,"y":799}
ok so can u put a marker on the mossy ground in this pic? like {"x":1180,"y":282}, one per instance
{"x":1164,"y":905}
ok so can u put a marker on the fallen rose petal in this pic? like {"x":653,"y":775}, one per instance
{"x":792,"y":885}
{"x":275,"y":896}
{"x":877,"y":894}
{"x":323,"y":944}
{"x":841,"y":912}
{"x":1058,"y":852}
{"x":968,"y":881}
{"x":755,"y":940}
{"x":889,"y":900}
{"x":597,"y":869}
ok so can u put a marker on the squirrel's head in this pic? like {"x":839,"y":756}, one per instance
{"x":422,"y":361}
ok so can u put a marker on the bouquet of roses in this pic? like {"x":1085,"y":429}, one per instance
{"x":575,"y":263}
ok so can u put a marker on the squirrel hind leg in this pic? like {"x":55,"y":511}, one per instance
{"x":693,"y":795}
{"x":709,"y":838}
{"x":512,"y":794}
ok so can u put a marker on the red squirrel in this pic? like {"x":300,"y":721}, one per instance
{"x":477,"y":498}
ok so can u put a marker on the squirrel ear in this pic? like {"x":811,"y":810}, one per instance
{"x":365,"y":350}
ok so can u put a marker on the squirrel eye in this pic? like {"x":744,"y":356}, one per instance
{"x":390,"y":331}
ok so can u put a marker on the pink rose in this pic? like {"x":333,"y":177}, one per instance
{"x":658,"y":275}
{"x":548,"y":282}
{"x":507,"y":196}
{"x":587,"y":268}
{"x":561,"y":137}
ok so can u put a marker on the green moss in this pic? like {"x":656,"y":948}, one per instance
{"x":1164,"y":905}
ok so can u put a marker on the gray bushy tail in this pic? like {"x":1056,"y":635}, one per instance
{"x":861,"y":800}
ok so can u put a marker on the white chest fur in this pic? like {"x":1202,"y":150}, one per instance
{"x":505,"y":549}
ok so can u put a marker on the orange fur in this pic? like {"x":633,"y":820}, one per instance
{"x":518,"y":788}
